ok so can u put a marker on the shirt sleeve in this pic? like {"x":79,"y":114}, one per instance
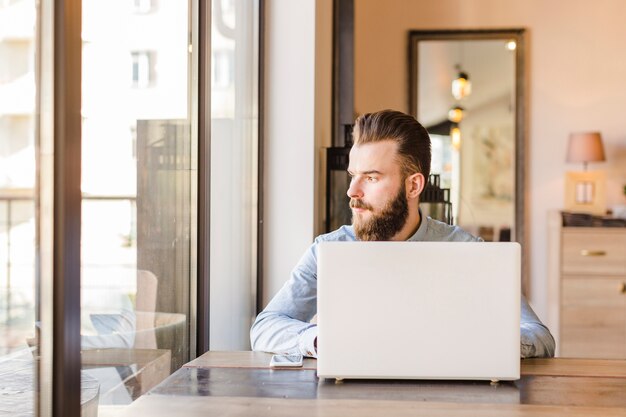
{"x":535,"y":338}
{"x":284,"y":325}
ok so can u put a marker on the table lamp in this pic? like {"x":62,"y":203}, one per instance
{"x":585,"y":148}
{"x":585,"y":190}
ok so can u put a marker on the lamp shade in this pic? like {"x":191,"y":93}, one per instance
{"x":585,"y":147}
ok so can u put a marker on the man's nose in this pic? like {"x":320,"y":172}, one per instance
{"x":354,"y":191}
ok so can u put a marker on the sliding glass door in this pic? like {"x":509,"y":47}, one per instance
{"x":138,"y":176}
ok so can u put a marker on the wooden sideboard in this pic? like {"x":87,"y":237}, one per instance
{"x":588,"y":290}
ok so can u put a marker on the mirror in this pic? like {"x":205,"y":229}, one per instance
{"x":477,"y":133}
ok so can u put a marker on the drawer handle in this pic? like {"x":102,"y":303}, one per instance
{"x":586,"y":252}
{"x":623,"y":288}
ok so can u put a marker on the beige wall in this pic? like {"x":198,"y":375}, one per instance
{"x":576,"y":67}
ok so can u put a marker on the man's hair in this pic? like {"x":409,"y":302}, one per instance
{"x":411,"y":137}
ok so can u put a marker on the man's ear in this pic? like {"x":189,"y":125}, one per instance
{"x":415,"y":185}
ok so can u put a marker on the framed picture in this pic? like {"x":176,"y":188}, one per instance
{"x":585,"y":192}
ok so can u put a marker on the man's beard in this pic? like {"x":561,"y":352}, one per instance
{"x":383,"y":225}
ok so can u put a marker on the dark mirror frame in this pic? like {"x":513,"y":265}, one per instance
{"x":415,"y":36}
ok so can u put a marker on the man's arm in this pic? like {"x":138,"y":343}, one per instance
{"x":536,"y":339}
{"x":283,"y":326}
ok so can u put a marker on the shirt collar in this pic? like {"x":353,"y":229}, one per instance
{"x":421,"y":230}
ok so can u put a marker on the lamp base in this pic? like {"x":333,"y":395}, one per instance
{"x":585,"y":192}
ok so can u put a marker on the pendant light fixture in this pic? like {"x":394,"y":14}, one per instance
{"x":455,"y":136}
{"x":456,"y":114}
{"x":461,"y":85}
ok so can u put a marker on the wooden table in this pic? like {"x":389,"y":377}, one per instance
{"x":242,"y":384}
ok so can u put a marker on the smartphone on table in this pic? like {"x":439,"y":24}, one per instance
{"x":286,"y":361}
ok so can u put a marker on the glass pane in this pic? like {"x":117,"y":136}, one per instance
{"x":234,"y":157}
{"x":137,"y":178}
{"x":18,"y":289}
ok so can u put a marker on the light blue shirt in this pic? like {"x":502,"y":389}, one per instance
{"x":284,"y":326}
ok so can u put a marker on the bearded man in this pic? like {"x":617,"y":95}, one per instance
{"x":389,"y":165}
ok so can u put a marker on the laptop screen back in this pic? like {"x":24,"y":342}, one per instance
{"x":423,"y":310}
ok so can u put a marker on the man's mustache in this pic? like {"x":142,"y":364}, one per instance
{"x":360,"y":204}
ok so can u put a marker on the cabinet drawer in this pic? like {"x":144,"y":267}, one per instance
{"x":592,"y":291}
{"x":593,"y":317}
{"x":592,"y":332}
{"x":593,"y":342}
{"x":591,"y":251}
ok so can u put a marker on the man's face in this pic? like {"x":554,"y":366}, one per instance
{"x":377,"y":191}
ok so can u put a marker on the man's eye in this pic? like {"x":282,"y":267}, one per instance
{"x":371,"y":179}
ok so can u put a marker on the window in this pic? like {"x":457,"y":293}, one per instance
{"x":223,"y":70}
{"x":142,"y":73}
{"x":137,"y":248}
{"x":142,"y":6}
{"x":18,"y":286}
{"x":234,"y":180}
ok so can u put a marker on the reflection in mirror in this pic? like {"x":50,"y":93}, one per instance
{"x":466,"y":90}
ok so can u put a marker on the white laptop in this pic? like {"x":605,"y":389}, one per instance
{"x":418,"y":310}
